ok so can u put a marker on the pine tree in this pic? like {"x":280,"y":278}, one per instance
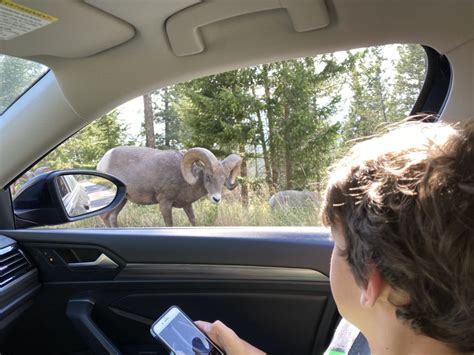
{"x":148,"y":123}
{"x":88,"y":146}
{"x":166,"y":116}
{"x":371,"y":104}
{"x":266,"y":80}
{"x":409,"y":78}
{"x":306,"y":95}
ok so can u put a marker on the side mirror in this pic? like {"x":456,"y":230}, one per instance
{"x":66,"y":196}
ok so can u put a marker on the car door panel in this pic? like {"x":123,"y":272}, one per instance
{"x":302,"y":247}
{"x":269,"y":284}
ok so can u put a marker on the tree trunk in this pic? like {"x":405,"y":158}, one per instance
{"x":244,"y":191}
{"x":288,"y":160}
{"x":271,"y":133}
{"x":149,"y":126}
{"x":167,"y":118}
{"x":255,"y":153}
{"x":289,"y":169}
{"x":263,"y":142}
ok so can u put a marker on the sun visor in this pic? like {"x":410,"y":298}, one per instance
{"x":183,"y":28}
{"x":66,"y":28}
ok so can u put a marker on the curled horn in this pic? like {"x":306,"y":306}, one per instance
{"x":194,"y":155}
{"x":232,"y":166}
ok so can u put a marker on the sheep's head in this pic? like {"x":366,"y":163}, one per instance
{"x":215,"y":173}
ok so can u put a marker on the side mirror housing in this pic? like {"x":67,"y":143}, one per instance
{"x":64,"y":196}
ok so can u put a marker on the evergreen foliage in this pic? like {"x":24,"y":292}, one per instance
{"x":375,"y":100}
{"x":167,"y":118}
{"x":84,"y":149}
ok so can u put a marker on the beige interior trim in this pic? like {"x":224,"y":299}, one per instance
{"x":183,"y":28}
{"x":99,"y":83}
{"x":39,"y":117}
{"x":460,"y":102}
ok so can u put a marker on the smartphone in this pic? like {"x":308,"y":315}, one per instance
{"x":181,"y":336}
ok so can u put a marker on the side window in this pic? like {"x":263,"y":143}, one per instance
{"x":272,"y":132}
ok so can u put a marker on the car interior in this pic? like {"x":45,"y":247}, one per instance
{"x":97,"y":291}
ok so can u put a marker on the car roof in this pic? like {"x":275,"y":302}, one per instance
{"x":105,"y":52}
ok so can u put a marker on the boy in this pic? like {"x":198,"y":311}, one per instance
{"x":401,"y":212}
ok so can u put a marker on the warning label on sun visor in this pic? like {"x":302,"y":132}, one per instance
{"x":16,"y":19}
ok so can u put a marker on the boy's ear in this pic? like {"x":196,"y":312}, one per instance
{"x":375,"y":286}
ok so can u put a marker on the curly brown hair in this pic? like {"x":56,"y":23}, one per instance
{"x":406,"y":202}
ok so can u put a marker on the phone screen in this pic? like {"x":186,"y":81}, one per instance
{"x":181,"y":335}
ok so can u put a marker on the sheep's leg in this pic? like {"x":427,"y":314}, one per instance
{"x":114,"y":214}
{"x":190,"y":213}
{"x":110,"y":218}
{"x":105,"y":219}
{"x":166,"y":212}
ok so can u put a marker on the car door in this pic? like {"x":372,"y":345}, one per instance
{"x":102,"y":289}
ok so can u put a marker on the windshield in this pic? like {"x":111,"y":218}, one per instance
{"x":16,"y":76}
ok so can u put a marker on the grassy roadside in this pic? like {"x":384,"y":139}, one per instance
{"x":228,"y":213}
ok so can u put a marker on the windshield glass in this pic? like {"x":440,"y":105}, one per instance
{"x":16,"y":76}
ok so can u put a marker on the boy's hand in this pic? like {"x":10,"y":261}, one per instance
{"x":226,"y":339}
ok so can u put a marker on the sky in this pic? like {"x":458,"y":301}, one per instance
{"x":131,"y":112}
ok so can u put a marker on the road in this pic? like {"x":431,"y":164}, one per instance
{"x":100,"y":196}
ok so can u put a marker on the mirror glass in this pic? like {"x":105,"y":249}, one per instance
{"x":82,"y":194}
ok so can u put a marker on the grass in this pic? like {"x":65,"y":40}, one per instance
{"x":228,"y":213}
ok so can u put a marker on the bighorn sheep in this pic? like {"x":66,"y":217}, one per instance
{"x":294,"y":199}
{"x":170,"y":178}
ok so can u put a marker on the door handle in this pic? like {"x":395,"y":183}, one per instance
{"x":183,"y":27}
{"x":102,"y":262}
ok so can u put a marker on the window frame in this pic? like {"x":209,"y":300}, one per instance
{"x":437,"y":82}
{"x":25,"y":91}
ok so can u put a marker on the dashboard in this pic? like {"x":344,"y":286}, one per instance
{"x":18,"y":282}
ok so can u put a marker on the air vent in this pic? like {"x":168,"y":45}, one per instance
{"x":13,"y":264}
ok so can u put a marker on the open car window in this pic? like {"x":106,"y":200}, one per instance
{"x":288,"y":121}
{"x":17,"y":76}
